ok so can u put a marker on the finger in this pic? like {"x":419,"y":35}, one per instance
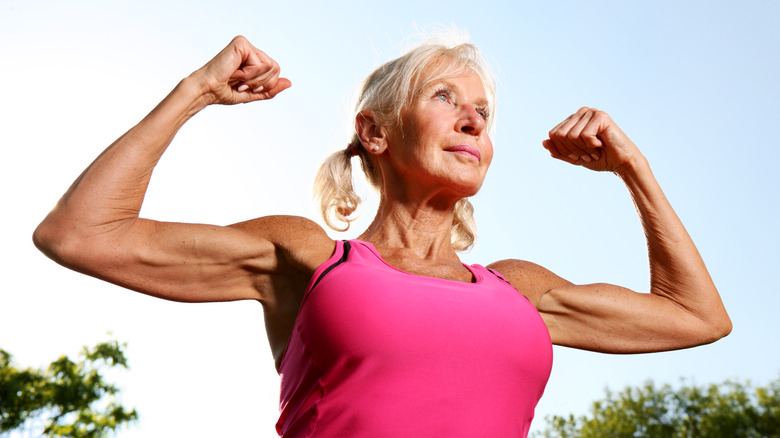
{"x":262,"y":76}
{"x":581,"y":143}
{"x":558,"y":126}
{"x":253,"y":65}
{"x":590,"y":133}
{"x":566,"y":137}
{"x":262,"y":84}
{"x":570,"y":133}
{"x":245,"y":95}
{"x":557,"y":147}
{"x":559,"y":153}
{"x":281,"y":85}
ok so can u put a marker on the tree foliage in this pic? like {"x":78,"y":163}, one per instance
{"x":68,"y":399}
{"x":729,"y":410}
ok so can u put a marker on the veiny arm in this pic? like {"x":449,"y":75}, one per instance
{"x":95,"y":227}
{"x":683,"y":308}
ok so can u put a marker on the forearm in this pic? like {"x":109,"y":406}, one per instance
{"x":677,"y":271}
{"x":109,"y":193}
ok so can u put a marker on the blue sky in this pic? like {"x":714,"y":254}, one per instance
{"x":694,"y":84}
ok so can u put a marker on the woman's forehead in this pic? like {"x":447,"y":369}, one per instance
{"x":457,"y":80}
{"x":444,"y":67}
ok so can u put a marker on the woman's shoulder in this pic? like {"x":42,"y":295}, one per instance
{"x":531,"y":279}
{"x":278,"y":224}
{"x":302,"y":242}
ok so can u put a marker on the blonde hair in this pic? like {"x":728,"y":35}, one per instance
{"x":387,"y":92}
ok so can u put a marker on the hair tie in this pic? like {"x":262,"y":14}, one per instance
{"x":352,"y":150}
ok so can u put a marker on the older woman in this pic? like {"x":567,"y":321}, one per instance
{"x":390,"y":334}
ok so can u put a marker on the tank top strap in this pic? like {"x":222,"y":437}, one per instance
{"x":339,"y":256}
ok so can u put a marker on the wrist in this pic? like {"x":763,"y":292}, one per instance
{"x":181,"y":104}
{"x":634,"y":166}
{"x":198,"y":89}
{"x":190,"y":97}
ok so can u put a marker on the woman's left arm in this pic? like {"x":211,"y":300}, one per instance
{"x":683,"y":308}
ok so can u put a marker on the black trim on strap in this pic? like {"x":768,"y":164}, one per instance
{"x":507,"y":282}
{"x":498,"y":275}
{"x":347,"y":247}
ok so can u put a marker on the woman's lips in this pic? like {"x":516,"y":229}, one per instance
{"x":466,"y":150}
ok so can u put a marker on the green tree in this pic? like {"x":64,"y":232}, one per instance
{"x":68,"y":399}
{"x":728,"y":410}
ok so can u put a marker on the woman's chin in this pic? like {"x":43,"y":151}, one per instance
{"x":468,"y":189}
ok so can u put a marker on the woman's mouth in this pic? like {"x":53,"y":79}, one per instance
{"x":466,"y":150}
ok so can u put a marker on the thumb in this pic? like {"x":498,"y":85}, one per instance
{"x":281,"y":85}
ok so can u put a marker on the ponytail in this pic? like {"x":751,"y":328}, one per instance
{"x":464,"y":227}
{"x":334,"y":190}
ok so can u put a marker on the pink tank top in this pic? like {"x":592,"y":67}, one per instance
{"x":378,"y":352}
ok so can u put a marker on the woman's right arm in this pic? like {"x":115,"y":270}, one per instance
{"x":95,"y":227}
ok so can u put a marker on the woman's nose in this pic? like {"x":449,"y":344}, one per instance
{"x":471,"y":121}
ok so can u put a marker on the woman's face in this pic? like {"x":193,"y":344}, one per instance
{"x":443,"y":142}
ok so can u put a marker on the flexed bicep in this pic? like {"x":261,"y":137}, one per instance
{"x":612,"y":319}
{"x":96,"y":229}
{"x":683,"y":308}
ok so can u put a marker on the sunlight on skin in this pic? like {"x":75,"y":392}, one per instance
{"x":97,"y":69}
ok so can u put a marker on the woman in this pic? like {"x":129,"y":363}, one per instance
{"x":390,"y":334}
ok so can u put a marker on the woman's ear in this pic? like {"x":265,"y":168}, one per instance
{"x":371,"y":135}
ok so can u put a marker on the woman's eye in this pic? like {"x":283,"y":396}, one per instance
{"x":442,"y":95}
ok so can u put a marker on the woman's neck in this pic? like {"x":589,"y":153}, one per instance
{"x":423,"y":229}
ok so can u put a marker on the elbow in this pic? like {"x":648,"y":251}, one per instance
{"x":85,"y":249}
{"x":720,"y":324}
{"x":716,"y":328}
{"x":57,"y":242}
{"x":49,"y":239}
{"x":724,"y":326}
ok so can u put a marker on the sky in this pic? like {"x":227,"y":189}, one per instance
{"x":694,"y":84}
